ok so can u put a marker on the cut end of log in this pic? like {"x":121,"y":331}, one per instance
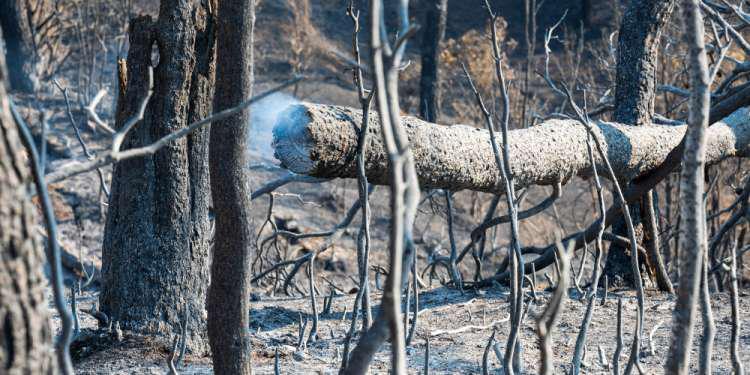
{"x":292,"y":142}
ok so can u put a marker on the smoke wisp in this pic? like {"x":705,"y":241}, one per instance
{"x":263,"y":116}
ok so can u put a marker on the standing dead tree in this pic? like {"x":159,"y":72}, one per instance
{"x":156,"y":241}
{"x":386,"y":61}
{"x":635,"y":94}
{"x":229,"y":293}
{"x":27,"y":343}
{"x":696,"y":154}
{"x":363,"y":238}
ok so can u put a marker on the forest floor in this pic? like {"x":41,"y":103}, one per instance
{"x":457,"y":324}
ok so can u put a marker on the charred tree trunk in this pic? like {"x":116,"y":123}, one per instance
{"x":587,"y":13}
{"x":229,"y":294}
{"x":156,"y":242}
{"x":19,"y":45}
{"x":26,"y":344}
{"x":436,"y":13}
{"x":635,"y":93}
{"x":637,"y":57}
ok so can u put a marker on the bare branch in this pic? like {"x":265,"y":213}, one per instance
{"x":548,"y":319}
{"x":53,"y":247}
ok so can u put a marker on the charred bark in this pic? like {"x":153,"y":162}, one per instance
{"x":637,"y":57}
{"x":229,"y":294}
{"x":26,"y":344}
{"x":321,"y":140}
{"x":436,"y":12}
{"x":156,"y":241}
{"x":19,"y":45}
{"x":635,"y":94}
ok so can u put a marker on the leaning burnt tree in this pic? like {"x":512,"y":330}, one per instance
{"x":635,"y":94}
{"x":26,"y":347}
{"x":155,"y":255}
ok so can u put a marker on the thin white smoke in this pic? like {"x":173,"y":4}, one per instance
{"x":263,"y":116}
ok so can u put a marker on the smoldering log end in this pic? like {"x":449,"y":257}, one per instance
{"x":292,"y":142}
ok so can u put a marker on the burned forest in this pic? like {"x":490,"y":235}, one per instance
{"x":374,"y":186}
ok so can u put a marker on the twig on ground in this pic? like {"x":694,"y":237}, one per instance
{"x":486,"y":355}
{"x":651,"y":346}
{"x":426,"y":356}
{"x":709,"y":326}
{"x":453,"y":267}
{"x":74,"y":309}
{"x":314,"y":305}
{"x":415,"y":316}
{"x":618,"y":339}
{"x":466,"y":328}
{"x":184,"y":324}
{"x":172,"y":355}
{"x":276,"y":364}
{"x":301,"y":342}
{"x":603,"y":358}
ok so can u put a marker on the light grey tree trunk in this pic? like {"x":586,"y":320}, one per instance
{"x":321,"y":140}
{"x":692,"y":210}
{"x":156,"y":241}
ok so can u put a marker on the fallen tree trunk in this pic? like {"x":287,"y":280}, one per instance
{"x":321,"y":141}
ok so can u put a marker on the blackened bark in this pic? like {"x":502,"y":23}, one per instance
{"x":637,"y":53}
{"x":229,"y":293}
{"x":587,"y":13}
{"x":635,"y":92}
{"x":618,"y":268}
{"x":19,"y":45}
{"x":435,"y":16}
{"x":156,"y":244}
{"x":25,"y":335}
